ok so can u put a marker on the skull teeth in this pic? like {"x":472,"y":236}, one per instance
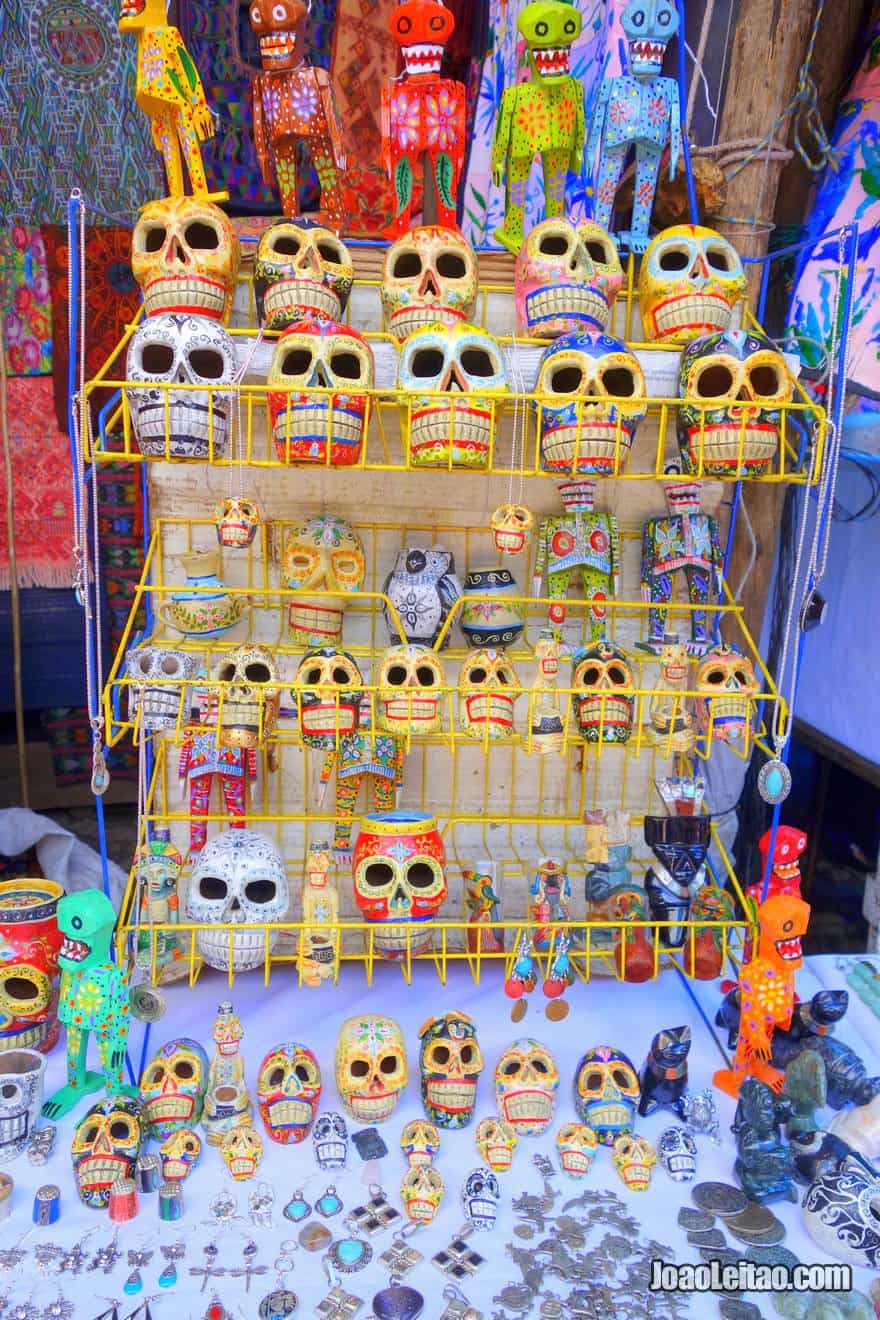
{"x":423,"y":58}
{"x":399,"y":710}
{"x":528,"y":1108}
{"x":174,"y":1170}
{"x":468,"y":430}
{"x":613,"y":712}
{"x":247,"y":947}
{"x":289,"y":1112}
{"x":182,"y":429}
{"x":552,"y":62}
{"x":421,"y":1212}
{"x":454,"y":1097}
{"x":304,"y":427}
{"x":391,"y":941}
{"x":574,"y":1162}
{"x":601,"y":445}
{"x":331,"y":1154}
{"x":298,"y":299}
{"x":729,"y":448}
{"x":611,"y":1118}
{"x":325,"y":718}
{"x":404,"y":320}
{"x":636,"y":1176}
{"x":31,"y":1039}
{"x":493,"y":710}
{"x":160,"y":706}
{"x":169,"y":1109}
{"x":191,"y":294}
{"x":498,"y":1158}
{"x":372,"y":1108}
{"x":728,"y":710}
{"x":316,"y":623}
{"x":13,"y":1127}
{"x":101,"y":1170}
{"x":510,"y":541}
{"x":565,"y":307}
{"x":696,"y":313}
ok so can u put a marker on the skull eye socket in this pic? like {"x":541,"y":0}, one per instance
{"x":212,"y":888}
{"x":451,"y":265}
{"x":466,"y":1053}
{"x":566,"y":379}
{"x":426,"y":676}
{"x":741,"y":677}
{"x":618,"y":675}
{"x":715,"y":382}
{"x":553,"y":245}
{"x":478,"y":675}
{"x":511,"y":1068}
{"x":440,"y":1054}
{"x":420,"y":876}
{"x":359,"y":1068}
{"x":275,"y":1077}
{"x":623,"y":1078}
{"x":226,"y":672}
{"x":171,"y":666}
{"x":260,"y":891}
{"x":202,"y":236}
{"x":146,"y":664}
{"x":330,"y":251}
{"x":312,"y":677}
{"x":590,"y":676}
{"x":377,"y":875}
{"x":407,"y":266}
{"x":286,"y":245}
{"x":540,"y":1065}
{"x":347,"y":563}
{"x":257,"y":672}
{"x":347,"y":365}
{"x":20,"y":988}
{"x":719,"y":258}
{"x":593,"y":1080}
{"x":157,"y":359}
{"x":715,"y":677}
{"x":341,"y":676}
{"x":599,"y":251}
{"x":90,"y":1135}
{"x":396,"y":675}
{"x":619,"y":382}
{"x":184,"y":1070}
{"x":296,"y":361}
{"x":9,"y":1091}
{"x":154,"y":238}
{"x":121,"y":1129}
{"x":479,"y":362}
{"x":673,"y":259}
{"x":403,"y":25}
{"x":504,"y":676}
{"x":304,"y":1072}
{"x":427,"y":363}
{"x":765,"y":380}
{"x":436,"y":24}
{"x":206,"y":363}
{"x":389,"y":1065}
{"x":155,"y":1074}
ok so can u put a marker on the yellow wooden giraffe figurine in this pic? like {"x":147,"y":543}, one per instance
{"x":170,"y":93}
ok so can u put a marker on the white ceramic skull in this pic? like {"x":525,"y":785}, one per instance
{"x":422,"y":586}
{"x":566,"y":279}
{"x":411,"y":698}
{"x":633,"y":1158}
{"x":249,"y":698}
{"x":588,"y":438}
{"x":511,"y":526}
{"x":330,"y":1141}
{"x":311,"y":357}
{"x":421,"y":1191}
{"x":526,"y":1082}
{"x":496,"y":1142}
{"x":678,"y":1154}
{"x":430,"y":274}
{"x":689,"y":281}
{"x":21,"y":1095}
{"x":576,"y":1145}
{"x":238,"y":885}
{"x":448,"y":376}
{"x":157,"y":677}
{"x":371,"y":1067}
{"x":185,"y":256}
{"x":175,"y":350}
{"x":303,"y":271}
{"x":480,"y":1198}
{"x":487,"y":691}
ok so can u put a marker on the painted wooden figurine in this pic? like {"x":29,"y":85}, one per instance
{"x":365,"y":757}
{"x":637,"y":110}
{"x":170,"y":93}
{"x":293,"y":102}
{"x":542,"y":117}
{"x":551,"y":895}
{"x":158,"y":865}
{"x":671,"y":721}
{"x":685,"y":541}
{"x":320,"y":904}
{"x":227,"y":1102}
{"x":423,"y":117}
{"x":204,"y":758}
{"x":482,"y":907}
{"x":546,"y":727}
{"x":580,"y":541}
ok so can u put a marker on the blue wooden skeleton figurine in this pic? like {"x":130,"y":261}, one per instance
{"x":639,"y":110}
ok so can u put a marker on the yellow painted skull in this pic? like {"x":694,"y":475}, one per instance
{"x":689,"y":283}
{"x":371,"y":1067}
{"x":324,"y":554}
{"x":185,"y":256}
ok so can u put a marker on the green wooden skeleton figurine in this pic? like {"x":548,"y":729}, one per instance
{"x":93,"y":1000}
{"x":542,"y":117}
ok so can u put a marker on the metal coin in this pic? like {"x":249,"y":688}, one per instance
{"x":314,"y":1237}
{"x":557,"y":1010}
{"x":711,"y":1237}
{"x":733,"y":1309}
{"x":772,"y":1256}
{"x":147,"y":1003}
{"x":771,"y":1238}
{"x":756,"y":1218}
{"x":519,"y":1010}
{"x":725,"y":1255}
{"x":719,"y":1198}
{"x":695,"y":1221}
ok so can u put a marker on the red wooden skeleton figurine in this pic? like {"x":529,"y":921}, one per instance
{"x":423,"y":117}
{"x":292,"y":103}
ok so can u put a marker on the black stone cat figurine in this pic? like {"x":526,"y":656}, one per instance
{"x":664,"y":1075}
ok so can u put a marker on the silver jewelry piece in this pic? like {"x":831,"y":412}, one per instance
{"x":338,"y":1305}
{"x":260,"y":1203}
{"x":375,"y":1216}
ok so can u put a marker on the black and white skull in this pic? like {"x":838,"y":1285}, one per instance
{"x":480,"y":1197}
{"x":678,"y":1154}
{"x":157,"y":677}
{"x":169,"y":351}
{"x":21,"y":1094}
{"x":330,"y":1141}
{"x":238,"y":886}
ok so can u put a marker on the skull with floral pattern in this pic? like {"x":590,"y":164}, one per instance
{"x":451,"y":1062}
{"x":371,"y":1068}
{"x":526,"y":1082}
{"x":173,"y":1086}
{"x":289,"y":1092}
{"x":606,"y":1092}
{"x":105,"y":1146}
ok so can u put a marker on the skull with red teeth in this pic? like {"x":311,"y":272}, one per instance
{"x":451,"y":1062}
{"x":789,"y":846}
{"x":576,"y":1144}
{"x":526,"y":1082}
{"x":288,"y":1092}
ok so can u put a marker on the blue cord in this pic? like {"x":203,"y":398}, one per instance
{"x":682,"y":94}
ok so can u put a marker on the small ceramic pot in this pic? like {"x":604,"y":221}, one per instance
{"x":204,"y":608}
{"x":21,"y":1098}
{"x":488,"y":616}
{"x":399,"y":868}
{"x":29,"y":944}
{"x":841,"y":1212}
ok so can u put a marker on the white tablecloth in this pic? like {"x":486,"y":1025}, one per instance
{"x":604,"y":1012}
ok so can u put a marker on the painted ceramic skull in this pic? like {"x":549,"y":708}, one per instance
{"x":420,"y":1142}
{"x":399,"y":868}
{"x":579,"y":437}
{"x":678,"y":1154}
{"x":237,"y":886}
{"x":634,"y":1158}
{"x":180,"y":1154}
{"x":237,"y":520}
{"x":328,"y":686}
{"x":303,"y":272}
{"x":21,"y":1096}
{"x":242,"y":1150}
{"x":319,"y":356}
{"x":526,"y":1082}
{"x":185,"y":256}
{"x":443,"y":373}
{"x":422,"y":587}
{"x":726,"y":682}
{"x":250,"y":696}
{"x":173,"y":1086}
{"x":371,"y":1070}
{"x":421,"y":1191}
{"x":487,"y":691}
{"x":576,"y":1145}
{"x":410,"y":699}
{"x":323,"y":554}
{"x":451,"y":1062}
{"x":606,"y":1092}
{"x":430,"y":274}
{"x":511,"y":526}
{"x":288,"y":1092}
{"x":105,"y":1146}
{"x":157,"y":678}
{"x":496,"y":1142}
{"x":330,"y":1141}
{"x":480,"y":1198}
{"x":689,"y":283}
{"x":733,"y":386}
{"x":167,"y":352}
{"x":604,"y":697}
{"x":566,"y":279}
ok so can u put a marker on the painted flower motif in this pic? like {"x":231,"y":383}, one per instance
{"x":440,"y":116}
{"x":22,"y":299}
{"x":304,"y":102}
{"x":406,"y":119}
{"x":657,"y":110}
{"x":531,"y":117}
{"x":152,"y":62}
{"x":619,"y":112}
{"x":667,"y":540}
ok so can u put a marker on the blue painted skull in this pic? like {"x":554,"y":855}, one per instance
{"x":597,"y":390}
{"x":606,"y":1092}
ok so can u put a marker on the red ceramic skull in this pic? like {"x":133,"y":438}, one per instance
{"x":29,"y":944}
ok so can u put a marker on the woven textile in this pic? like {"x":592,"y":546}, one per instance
{"x":42,"y":486}
{"x":25,"y":302}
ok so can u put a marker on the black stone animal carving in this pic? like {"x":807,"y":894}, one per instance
{"x":664,"y":1075}
{"x":816,"y":1153}
{"x":765,"y":1165}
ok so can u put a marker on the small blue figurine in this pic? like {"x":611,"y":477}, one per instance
{"x":765,"y":1166}
{"x":639,"y":110}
